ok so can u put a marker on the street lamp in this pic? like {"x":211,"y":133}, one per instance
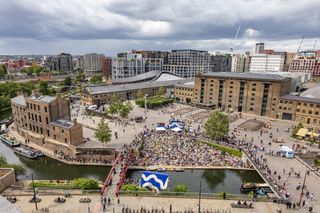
{"x":34,"y":193}
{"x":304,"y":182}
{"x":145,"y":106}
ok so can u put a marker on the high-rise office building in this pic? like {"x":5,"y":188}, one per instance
{"x":267,"y":63}
{"x":187,"y":63}
{"x":62,"y":62}
{"x":132,"y":64}
{"x":238,"y":62}
{"x":92,"y":63}
{"x":220,"y":63}
{"x":258,"y":48}
{"x":305,"y":62}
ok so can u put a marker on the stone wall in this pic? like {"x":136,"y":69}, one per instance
{"x":7,"y":178}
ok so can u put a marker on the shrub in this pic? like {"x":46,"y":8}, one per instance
{"x":129,"y":187}
{"x":132,"y":188}
{"x":86,"y":184}
{"x":180,"y":188}
{"x":154,"y":102}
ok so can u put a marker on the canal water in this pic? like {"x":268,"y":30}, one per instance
{"x":213,"y":181}
{"x":46,"y":168}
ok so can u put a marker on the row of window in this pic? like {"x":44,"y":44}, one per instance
{"x":39,"y":130}
{"x":35,"y":117}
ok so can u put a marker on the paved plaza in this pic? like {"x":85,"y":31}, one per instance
{"x":72,"y":205}
{"x":126,"y":133}
{"x":283,"y":165}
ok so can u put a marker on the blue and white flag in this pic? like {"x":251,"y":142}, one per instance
{"x":154,"y":180}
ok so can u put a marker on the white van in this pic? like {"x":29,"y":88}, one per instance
{"x":93,"y":107}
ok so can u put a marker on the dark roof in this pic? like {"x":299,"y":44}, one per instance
{"x":181,"y":50}
{"x":62,"y":123}
{"x":148,"y":76}
{"x":43,"y":98}
{"x":246,"y":76}
{"x":92,"y":90}
{"x":301,"y":98}
{"x":138,"y":78}
{"x":186,"y":85}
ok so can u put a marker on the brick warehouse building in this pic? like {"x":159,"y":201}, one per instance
{"x":241,"y":92}
{"x":45,"y":121}
{"x":254,"y":93}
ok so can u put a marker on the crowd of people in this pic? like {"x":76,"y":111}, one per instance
{"x":162,"y":210}
{"x":181,"y":149}
{"x":82,"y":160}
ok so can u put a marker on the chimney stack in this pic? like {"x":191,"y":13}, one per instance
{"x":35,"y":92}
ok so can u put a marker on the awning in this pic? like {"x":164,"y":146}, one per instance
{"x":161,"y":128}
{"x":176,"y":129}
{"x":313,"y":134}
{"x":302,"y":132}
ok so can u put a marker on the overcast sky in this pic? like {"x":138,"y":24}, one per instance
{"x":112,"y":26}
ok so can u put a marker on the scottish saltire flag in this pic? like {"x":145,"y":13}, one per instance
{"x":154,"y":180}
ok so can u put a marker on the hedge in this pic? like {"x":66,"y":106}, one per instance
{"x":79,"y":183}
{"x":226,"y":149}
{"x":154,"y":102}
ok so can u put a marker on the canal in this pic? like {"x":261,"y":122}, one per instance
{"x":213,"y":180}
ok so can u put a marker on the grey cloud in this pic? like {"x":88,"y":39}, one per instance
{"x":148,"y":22}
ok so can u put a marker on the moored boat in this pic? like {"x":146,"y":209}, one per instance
{"x":24,"y":152}
{"x":248,"y":187}
{"x":9,"y":142}
{"x":179,"y":169}
{"x":161,"y":169}
{"x":170,"y":169}
{"x":38,"y":152}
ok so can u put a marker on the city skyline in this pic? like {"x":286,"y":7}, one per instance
{"x":51,"y":27}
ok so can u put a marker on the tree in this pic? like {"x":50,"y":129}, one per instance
{"x":161,"y":90}
{"x":3,"y":161}
{"x":140,"y":94}
{"x":96,"y":79}
{"x":80,"y":77}
{"x":124,"y":110}
{"x":3,"y":71}
{"x":18,"y":169}
{"x":115,"y":98}
{"x":217,"y":125}
{"x":118,"y":107}
{"x":67,"y":81}
{"x":103,"y":133}
{"x":44,"y":88}
{"x":180,"y":188}
{"x":114,"y":108}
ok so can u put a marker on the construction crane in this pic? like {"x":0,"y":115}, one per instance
{"x":314,"y":46}
{"x":301,"y":43}
{"x":235,"y":38}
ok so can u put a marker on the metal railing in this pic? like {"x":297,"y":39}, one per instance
{"x":192,"y":195}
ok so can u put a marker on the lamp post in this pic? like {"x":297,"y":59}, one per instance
{"x":145,"y":106}
{"x":34,"y":193}
{"x":199,"y":204}
{"x":304,"y":182}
